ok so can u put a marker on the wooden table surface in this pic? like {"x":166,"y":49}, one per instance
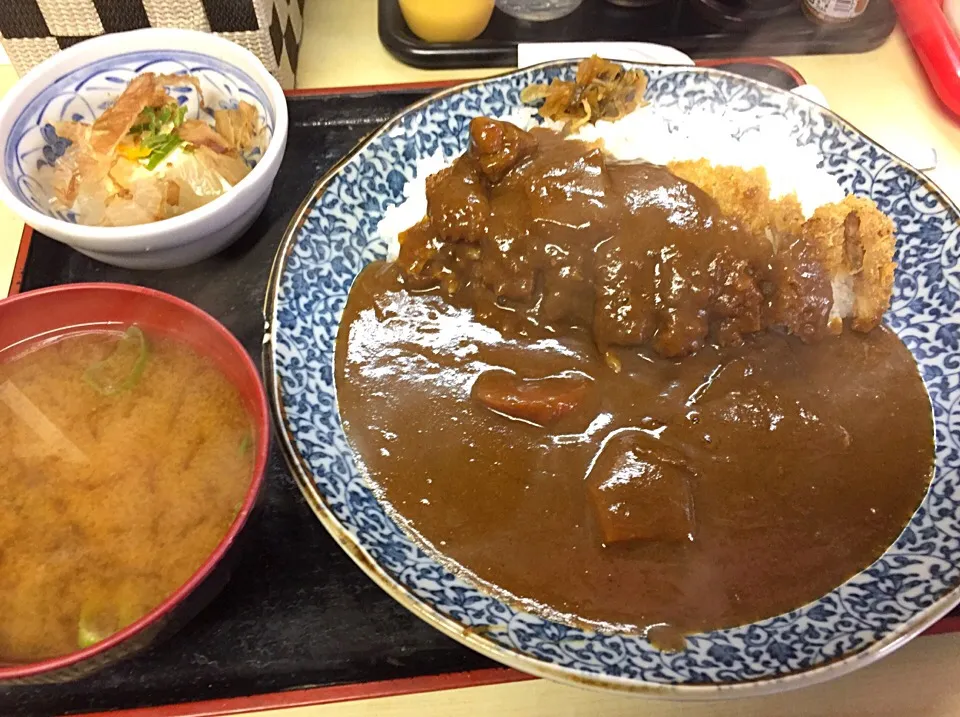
{"x":885,"y":95}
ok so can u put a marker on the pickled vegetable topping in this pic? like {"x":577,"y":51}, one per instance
{"x":603,"y":90}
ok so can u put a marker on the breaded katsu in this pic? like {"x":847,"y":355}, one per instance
{"x":743,"y":194}
{"x":855,"y":240}
{"x":858,"y":243}
{"x":538,"y":233}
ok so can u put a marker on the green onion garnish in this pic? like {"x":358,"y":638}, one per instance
{"x":96,"y":623}
{"x":160,"y":152}
{"x":116,"y":373}
{"x":87,"y":635}
{"x":150,"y":129}
{"x":101,"y":617}
{"x":154,"y":141}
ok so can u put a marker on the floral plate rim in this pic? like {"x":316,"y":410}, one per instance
{"x":471,"y":638}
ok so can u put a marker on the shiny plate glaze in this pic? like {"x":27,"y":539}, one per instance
{"x":334,"y":236}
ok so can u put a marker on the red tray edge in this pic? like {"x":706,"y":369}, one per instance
{"x":326,"y":695}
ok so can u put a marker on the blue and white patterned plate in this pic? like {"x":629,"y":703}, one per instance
{"x":334,"y":236}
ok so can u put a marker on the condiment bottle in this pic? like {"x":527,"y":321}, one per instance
{"x":447,"y":20}
{"x":834,"y":11}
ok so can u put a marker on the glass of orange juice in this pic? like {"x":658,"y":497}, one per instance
{"x":446,"y":20}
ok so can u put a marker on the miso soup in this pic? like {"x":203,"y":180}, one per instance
{"x":124,"y":459}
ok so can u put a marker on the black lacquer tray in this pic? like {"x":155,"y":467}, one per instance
{"x":298,"y":613}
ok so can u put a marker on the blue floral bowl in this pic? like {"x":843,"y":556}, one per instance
{"x":80,"y":83}
{"x":334,"y":235}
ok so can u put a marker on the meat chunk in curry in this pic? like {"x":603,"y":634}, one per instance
{"x":641,"y":491}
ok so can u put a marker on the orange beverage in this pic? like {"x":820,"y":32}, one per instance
{"x":446,"y":20}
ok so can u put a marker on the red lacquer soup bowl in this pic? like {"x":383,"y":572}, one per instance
{"x":37,"y":315}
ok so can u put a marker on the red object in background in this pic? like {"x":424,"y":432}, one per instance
{"x":936,"y":45}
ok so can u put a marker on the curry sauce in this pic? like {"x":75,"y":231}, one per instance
{"x":553,"y":416}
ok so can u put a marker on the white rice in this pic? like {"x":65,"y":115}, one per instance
{"x":401,"y":217}
{"x":662,"y":135}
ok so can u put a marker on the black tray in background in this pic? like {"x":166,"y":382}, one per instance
{"x":298,"y":613}
{"x":677,"y":23}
